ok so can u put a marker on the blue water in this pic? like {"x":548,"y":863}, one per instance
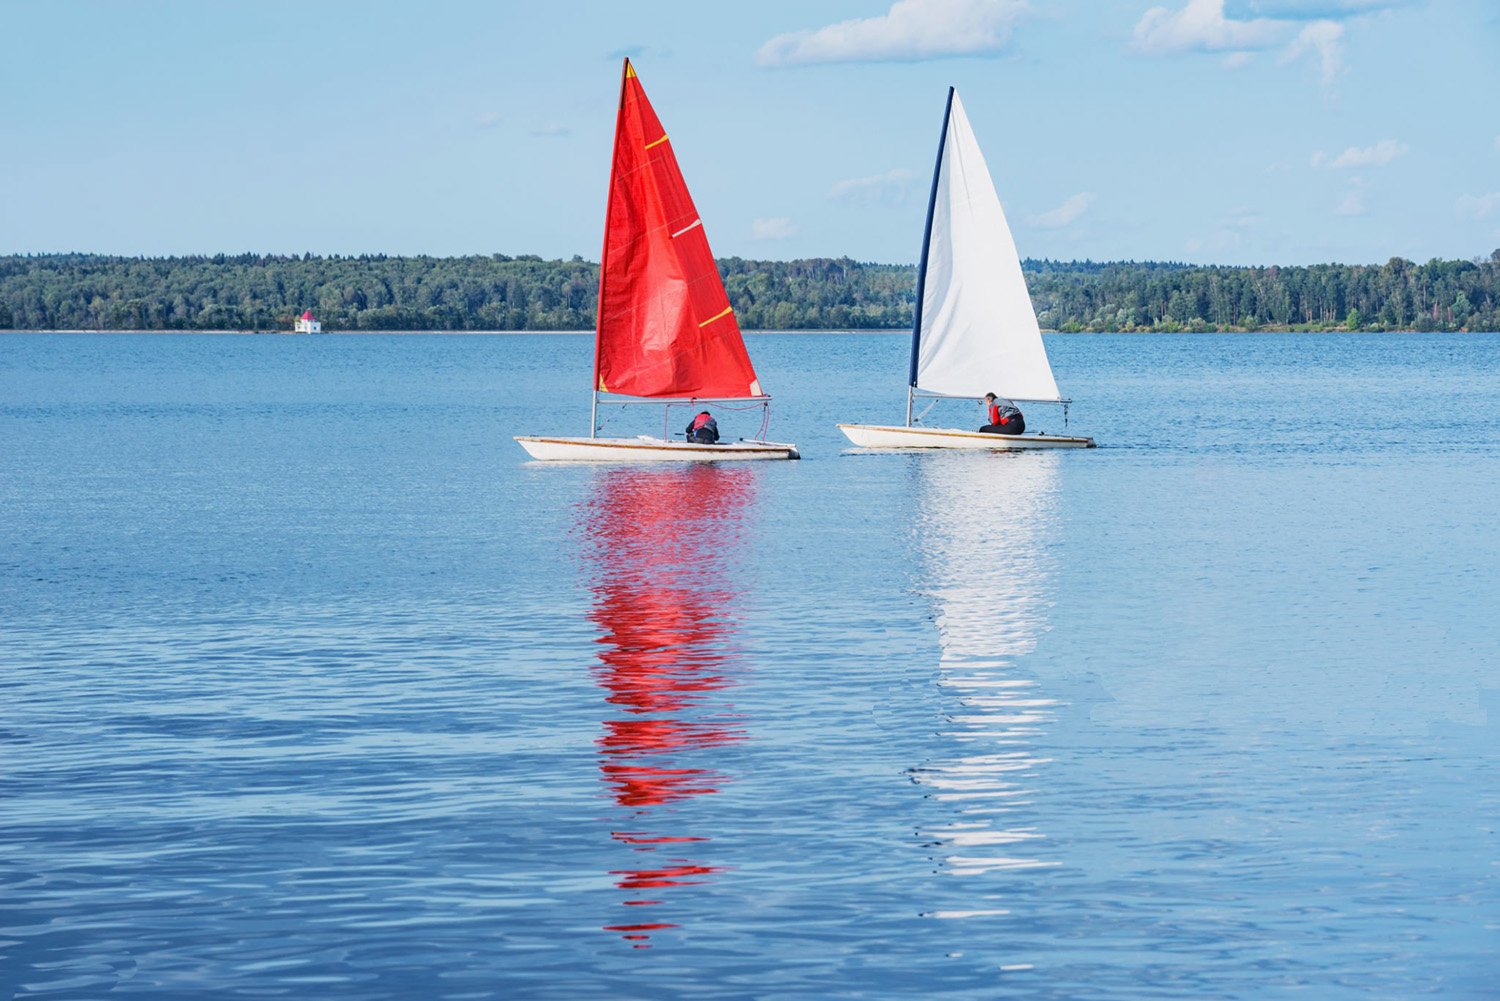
{"x":311,"y":686}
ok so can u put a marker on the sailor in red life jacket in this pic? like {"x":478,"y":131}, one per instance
{"x":1004,"y":417}
{"x":703,"y":430}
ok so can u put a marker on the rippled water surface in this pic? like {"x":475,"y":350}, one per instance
{"x":313,"y":687}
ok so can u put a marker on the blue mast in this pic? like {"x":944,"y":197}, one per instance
{"x":916,"y":330}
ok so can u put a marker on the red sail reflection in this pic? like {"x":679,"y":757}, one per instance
{"x":663,"y":548}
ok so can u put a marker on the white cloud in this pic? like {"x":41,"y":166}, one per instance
{"x":1378,"y":155}
{"x":892,"y":186}
{"x":1353,"y":201}
{"x":1352,"y":204}
{"x":488,"y":120}
{"x":552,"y":131}
{"x":1318,"y":9}
{"x":1232,"y":232}
{"x":1243,"y":218}
{"x":777,"y":228}
{"x":1479,"y":206}
{"x":1202,"y":26}
{"x":911,"y":29}
{"x":1064,"y":213}
{"x":1323,"y":38}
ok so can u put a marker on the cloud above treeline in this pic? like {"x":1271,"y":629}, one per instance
{"x":1353,"y":202}
{"x":913,"y":30}
{"x":892,"y":186}
{"x":1065,"y":213}
{"x":910,"y":30}
{"x":1378,"y":155}
{"x":774,"y":228}
{"x":1203,"y":26}
{"x":1306,"y":10}
{"x":1232,"y":232}
{"x":1479,"y":206}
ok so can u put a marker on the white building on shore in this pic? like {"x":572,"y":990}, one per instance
{"x":307,"y":325}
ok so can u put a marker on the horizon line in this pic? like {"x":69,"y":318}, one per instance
{"x":579,"y":259}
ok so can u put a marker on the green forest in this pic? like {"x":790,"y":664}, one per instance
{"x":380,"y":292}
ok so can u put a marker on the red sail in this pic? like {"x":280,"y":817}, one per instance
{"x":666,"y":328}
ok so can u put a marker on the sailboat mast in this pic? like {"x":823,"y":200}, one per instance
{"x":916,"y":329}
{"x":625,"y":73}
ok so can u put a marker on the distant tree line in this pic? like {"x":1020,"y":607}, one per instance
{"x":379,"y":292}
{"x":1397,"y":295}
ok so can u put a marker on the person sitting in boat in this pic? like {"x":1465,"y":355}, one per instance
{"x":1005,"y":417}
{"x":703,"y":430}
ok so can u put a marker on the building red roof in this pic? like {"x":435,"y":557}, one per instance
{"x":307,"y":314}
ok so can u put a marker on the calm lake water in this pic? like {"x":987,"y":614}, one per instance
{"x":312,"y":686}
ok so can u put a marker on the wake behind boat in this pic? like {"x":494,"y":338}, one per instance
{"x":666,"y":333}
{"x":975,"y":331}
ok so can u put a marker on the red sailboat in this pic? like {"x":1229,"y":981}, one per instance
{"x":666,"y":332}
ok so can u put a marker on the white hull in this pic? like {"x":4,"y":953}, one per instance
{"x":881,"y":436}
{"x":644,"y":449}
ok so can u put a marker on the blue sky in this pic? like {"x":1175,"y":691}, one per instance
{"x":1215,"y":131}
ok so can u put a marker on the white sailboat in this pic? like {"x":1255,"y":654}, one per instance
{"x":975,"y":330}
{"x":666,"y":333}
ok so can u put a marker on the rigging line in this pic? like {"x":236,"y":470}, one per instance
{"x":751,"y":406}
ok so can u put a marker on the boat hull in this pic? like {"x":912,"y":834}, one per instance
{"x":883,"y":436}
{"x":643,"y":449}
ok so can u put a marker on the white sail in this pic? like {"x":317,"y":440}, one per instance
{"x":978,"y":332}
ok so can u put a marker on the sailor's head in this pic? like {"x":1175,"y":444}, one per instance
{"x":703,"y":413}
{"x":989,"y":397}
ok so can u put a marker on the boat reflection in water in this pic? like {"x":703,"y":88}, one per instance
{"x":662,"y":548}
{"x":983,"y":523}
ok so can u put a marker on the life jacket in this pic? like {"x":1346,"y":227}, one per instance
{"x":1007,"y":419}
{"x":703,"y":429}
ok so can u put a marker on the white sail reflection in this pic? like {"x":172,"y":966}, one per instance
{"x":985,"y":519}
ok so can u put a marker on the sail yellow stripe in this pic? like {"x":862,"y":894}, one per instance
{"x":657,"y":142}
{"x":727,"y":311}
